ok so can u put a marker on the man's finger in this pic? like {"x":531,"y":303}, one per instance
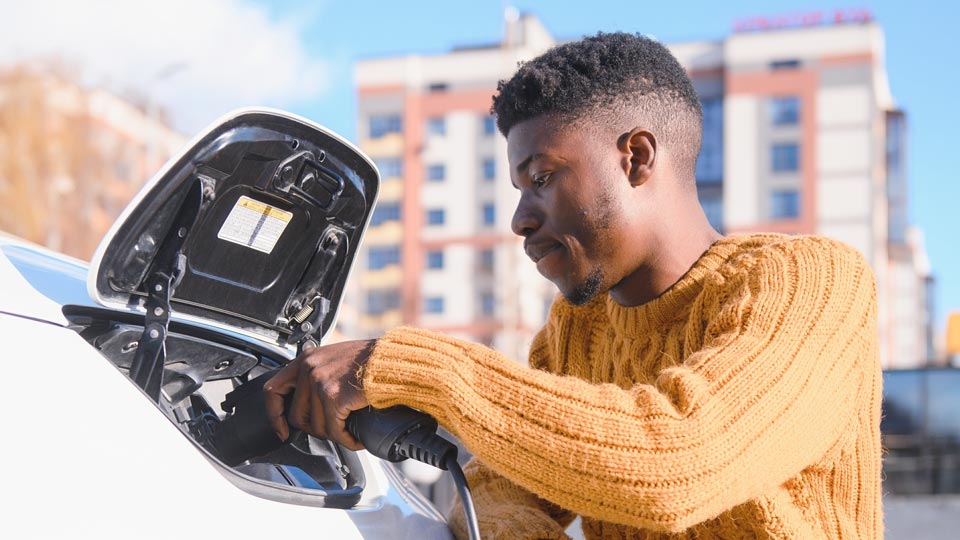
{"x":299,"y":413}
{"x":318,"y":423}
{"x":274,"y":403}
{"x":275,"y":389}
{"x":336,"y":419}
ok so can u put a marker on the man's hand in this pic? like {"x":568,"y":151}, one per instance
{"x":325,"y":390}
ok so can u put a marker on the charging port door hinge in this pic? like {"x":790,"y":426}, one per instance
{"x":146,"y":370}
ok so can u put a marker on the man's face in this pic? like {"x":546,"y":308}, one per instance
{"x":576,"y":209}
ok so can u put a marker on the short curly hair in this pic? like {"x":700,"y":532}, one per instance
{"x":612,"y":77}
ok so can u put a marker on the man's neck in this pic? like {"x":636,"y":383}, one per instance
{"x":677,"y":249}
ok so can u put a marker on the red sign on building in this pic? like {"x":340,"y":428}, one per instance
{"x":802,"y":20}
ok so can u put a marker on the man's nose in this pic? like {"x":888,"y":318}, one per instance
{"x":525,"y":220}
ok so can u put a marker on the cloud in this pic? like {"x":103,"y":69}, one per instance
{"x":195,"y":59}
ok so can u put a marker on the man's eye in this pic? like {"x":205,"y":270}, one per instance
{"x":540,"y":180}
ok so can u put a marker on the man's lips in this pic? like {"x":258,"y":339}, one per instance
{"x":539,"y":250}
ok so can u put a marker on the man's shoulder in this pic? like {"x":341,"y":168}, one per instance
{"x":804,"y":249}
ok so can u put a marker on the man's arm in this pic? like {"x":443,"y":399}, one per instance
{"x":506,"y":511}
{"x":789,"y":346}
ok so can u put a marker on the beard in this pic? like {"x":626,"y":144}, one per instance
{"x":587,"y":290}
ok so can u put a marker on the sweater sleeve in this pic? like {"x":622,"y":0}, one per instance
{"x":506,"y":511}
{"x":789,"y":341}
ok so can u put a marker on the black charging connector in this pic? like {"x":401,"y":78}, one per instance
{"x":398,"y":433}
{"x":246,"y":432}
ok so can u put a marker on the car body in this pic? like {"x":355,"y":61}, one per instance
{"x":92,"y":453}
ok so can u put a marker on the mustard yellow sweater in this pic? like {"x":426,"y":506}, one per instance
{"x":744,"y":402}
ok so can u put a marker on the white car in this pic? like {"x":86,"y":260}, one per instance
{"x":234,"y":255}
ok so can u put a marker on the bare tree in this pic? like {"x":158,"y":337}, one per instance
{"x":65,"y":174}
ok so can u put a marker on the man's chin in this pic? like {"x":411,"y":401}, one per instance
{"x":586,"y":290}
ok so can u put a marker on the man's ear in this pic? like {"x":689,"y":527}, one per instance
{"x":639,"y":146}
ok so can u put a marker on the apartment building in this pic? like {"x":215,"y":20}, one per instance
{"x":801,"y":136}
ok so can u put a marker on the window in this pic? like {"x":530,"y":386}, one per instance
{"x":489,"y":169}
{"x":489,"y":214}
{"x":433,"y":304}
{"x":380,"y":301}
{"x":898,"y":218}
{"x":488,"y":304}
{"x":436,"y":216}
{"x":784,"y":204}
{"x":713,"y":208}
{"x":903,"y":402}
{"x":385,"y":212}
{"x":919,"y":411}
{"x":785,"y":111}
{"x":435,"y":260}
{"x":391,"y":167}
{"x":918,"y":402}
{"x":436,"y":172}
{"x":710,"y":162}
{"x":383,"y":256}
{"x":489,"y":125}
{"x":436,"y":126}
{"x":785,"y":157}
{"x":785,"y":64}
{"x":487,"y":259}
{"x":384,"y":124}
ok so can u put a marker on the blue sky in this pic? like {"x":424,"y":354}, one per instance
{"x":921,"y":46}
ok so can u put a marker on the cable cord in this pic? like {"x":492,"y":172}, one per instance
{"x":473,"y":527}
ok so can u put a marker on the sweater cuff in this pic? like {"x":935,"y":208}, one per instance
{"x":412,"y":367}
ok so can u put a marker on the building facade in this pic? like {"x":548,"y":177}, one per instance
{"x":801,"y":136}
{"x":439,"y":252}
{"x":72,"y":157}
{"x":813,"y":143}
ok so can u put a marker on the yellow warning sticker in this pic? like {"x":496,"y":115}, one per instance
{"x":254,"y":224}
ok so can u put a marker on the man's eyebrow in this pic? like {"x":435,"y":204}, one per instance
{"x":526,"y":163}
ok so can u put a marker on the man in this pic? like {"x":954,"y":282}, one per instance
{"x":686,"y":385}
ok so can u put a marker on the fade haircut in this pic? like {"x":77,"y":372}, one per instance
{"x":613,"y":78}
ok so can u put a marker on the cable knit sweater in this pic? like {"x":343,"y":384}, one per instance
{"x":744,"y":402}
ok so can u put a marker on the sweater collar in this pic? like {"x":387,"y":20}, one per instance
{"x":637,"y":321}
